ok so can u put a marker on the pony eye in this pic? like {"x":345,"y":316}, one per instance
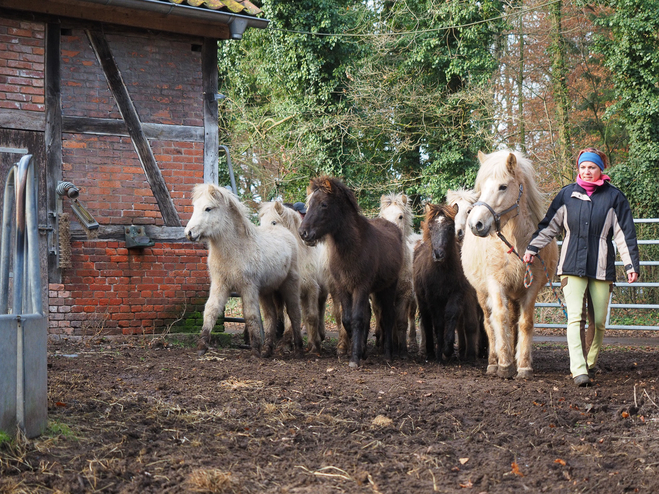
{"x":273,"y":222}
{"x":323,"y":205}
{"x":400,"y":217}
{"x":503,"y":187}
{"x":209,"y":209}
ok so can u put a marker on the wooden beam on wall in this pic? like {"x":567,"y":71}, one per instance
{"x":53,"y":144}
{"x":116,"y":127}
{"x":209,"y":77}
{"x":36,"y":121}
{"x":134,"y":127}
{"x":22,"y":120}
{"x":117,"y":232}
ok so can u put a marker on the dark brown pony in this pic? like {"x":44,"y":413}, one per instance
{"x":446,"y":300}
{"x":365,"y":257}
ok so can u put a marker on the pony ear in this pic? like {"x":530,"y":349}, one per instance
{"x":215,"y":192}
{"x":511,"y":163}
{"x":481,"y":156}
{"x":279,"y":207}
{"x":403,"y":199}
{"x":456,"y":208}
{"x":427,"y":208}
{"x":385,"y":201}
{"x":326,"y":185}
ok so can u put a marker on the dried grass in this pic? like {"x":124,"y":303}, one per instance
{"x":215,"y":481}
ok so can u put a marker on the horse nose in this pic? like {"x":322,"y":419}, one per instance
{"x":438,"y":255}
{"x":304,"y":234}
{"x":478,"y":229}
{"x":461,"y":233}
{"x":190,"y":235}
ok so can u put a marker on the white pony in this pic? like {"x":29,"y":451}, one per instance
{"x":258,"y":263}
{"x":510,"y":203}
{"x":396,"y":208}
{"x":313,"y":287}
{"x":464,"y":199}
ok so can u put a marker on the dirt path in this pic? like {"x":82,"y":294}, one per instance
{"x":127,"y":417}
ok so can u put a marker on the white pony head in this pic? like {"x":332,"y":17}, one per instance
{"x":464,"y":200}
{"x":396,"y":208}
{"x":275,"y":213}
{"x":498,"y":184}
{"x":217,"y":212}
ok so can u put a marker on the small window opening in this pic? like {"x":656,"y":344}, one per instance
{"x":196,"y":48}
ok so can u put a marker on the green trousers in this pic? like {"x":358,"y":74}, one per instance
{"x":585,"y":297}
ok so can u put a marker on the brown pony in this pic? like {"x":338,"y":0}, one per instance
{"x":365,"y":257}
{"x":446,"y":300}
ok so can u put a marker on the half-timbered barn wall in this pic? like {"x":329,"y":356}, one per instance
{"x":133,"y":167}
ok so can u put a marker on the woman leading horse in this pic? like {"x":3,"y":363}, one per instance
{"x":593,"y":213}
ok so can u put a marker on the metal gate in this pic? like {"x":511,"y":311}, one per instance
{"x":23,"y":325}
{"x":620,"y":286}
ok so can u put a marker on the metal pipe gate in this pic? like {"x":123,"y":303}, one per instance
{"x":23,"y":326}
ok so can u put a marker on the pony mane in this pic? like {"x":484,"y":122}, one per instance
{"x":494,"y":166}
{"x":331,"y":185}
{"x":400,"y":200}
{"x":455,"y":196}
{"x":435,"y":210}
{"x":220,"y":196}
{"x":432,"y":211}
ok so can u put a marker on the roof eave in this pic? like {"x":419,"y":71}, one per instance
{"x":187,"y":11}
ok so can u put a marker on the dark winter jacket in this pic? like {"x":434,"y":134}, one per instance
{"x":590,"y":224}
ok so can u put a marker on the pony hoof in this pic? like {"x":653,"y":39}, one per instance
{"x":202,"y":348}
{"x":525,"y":373}
{"x":492,"y":370}
{"x":353,"y":365}
{"x":267,"y":352}
{"x":506,"y":371}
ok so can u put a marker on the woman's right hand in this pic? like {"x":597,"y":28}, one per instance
{"x":528,"y":258}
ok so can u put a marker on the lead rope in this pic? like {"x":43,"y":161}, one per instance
{"x":528,"y":274}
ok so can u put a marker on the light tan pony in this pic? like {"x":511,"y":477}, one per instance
{"x":313,"y":285}
{"x":509,"y":202}
{"x":260,"y":263}
{"x":464,"y":199}
{"x":396,"y":208}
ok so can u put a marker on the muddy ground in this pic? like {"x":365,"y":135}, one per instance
{"x":148,"y":416}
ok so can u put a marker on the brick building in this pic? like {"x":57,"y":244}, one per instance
{"x":118,"y":100}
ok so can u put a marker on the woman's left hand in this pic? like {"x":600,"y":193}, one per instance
{"x":632,"y":277}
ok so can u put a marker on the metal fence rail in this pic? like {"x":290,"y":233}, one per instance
{"x":621,"y":284}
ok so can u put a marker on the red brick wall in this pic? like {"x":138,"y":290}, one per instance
{"x":163,"y":77}
{"x":21,"y":65}
{"x":111,"y":289}
{"x":112,"y":182}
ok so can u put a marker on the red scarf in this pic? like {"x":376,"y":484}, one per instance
{"x":590,"y":187}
